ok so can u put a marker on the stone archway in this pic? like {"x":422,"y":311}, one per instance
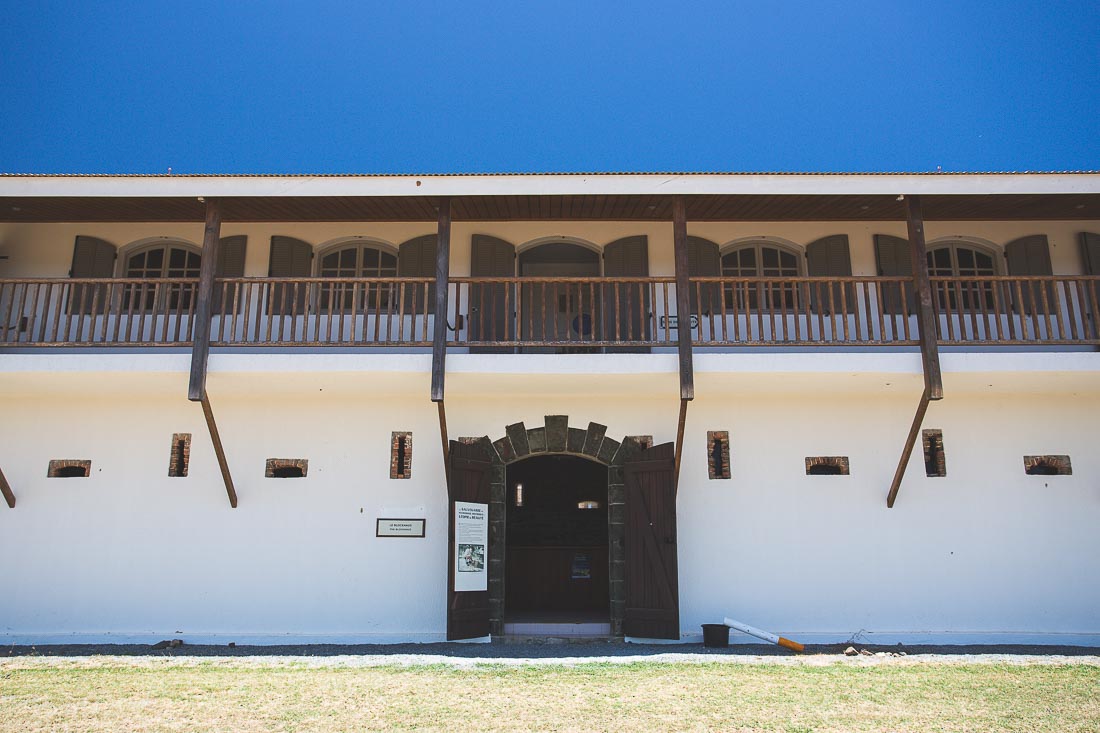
{"x":556,"y":437}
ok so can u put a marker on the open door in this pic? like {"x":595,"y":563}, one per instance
{"x":468,"y":497}
{"x":652,"y":595}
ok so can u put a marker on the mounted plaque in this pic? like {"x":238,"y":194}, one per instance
{"x":399,"y":527}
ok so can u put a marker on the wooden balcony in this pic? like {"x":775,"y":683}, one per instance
{"x":504,"y":314}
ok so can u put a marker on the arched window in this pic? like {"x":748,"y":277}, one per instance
{"x":962,"y":260}
{"x":761,"y":259}
{"x":359,"y":260}
{"x":160,"y":261}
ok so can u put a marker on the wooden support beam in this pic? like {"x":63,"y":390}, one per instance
{"x":907,"y":451}
{"x":442,"y":270}
{"x":215,"y":438}
{"x":683,"y":298}
{"x":679,"y":443}
{"x":446,"y":443}
{"x":5,"y":489}
{"x":200,"y":350}
{"x":926,"y":316}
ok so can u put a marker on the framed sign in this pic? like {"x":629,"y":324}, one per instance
{"x":399,"y":527}
{"x":471,"y":546}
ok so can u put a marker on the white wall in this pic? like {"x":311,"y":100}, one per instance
{"x":985,"y":554}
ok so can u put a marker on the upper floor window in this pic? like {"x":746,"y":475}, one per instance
{"x":360,"y":261}
{"x":160,"y":261}
{"x":962,"y":260}
{"x":761,"y":259}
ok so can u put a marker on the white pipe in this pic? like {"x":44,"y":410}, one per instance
{"x":761,"y":634}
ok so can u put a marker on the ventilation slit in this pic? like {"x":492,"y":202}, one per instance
{"x":718,"y":454}
{"x":934,"y":463}
{"x":401,"y":455}
{"x":287,"y":472}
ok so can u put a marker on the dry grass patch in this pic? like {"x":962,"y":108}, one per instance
{"x":113,"y":695}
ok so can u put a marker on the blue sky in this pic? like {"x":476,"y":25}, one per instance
{"x":320,"y":87}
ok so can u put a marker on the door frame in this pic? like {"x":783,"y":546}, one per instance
{"x":556,"y":437}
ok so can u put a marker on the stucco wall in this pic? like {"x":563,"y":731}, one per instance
{"x":985,"y":554}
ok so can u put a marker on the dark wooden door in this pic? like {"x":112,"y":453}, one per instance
{"x":652,"y":595}
{"x":467,"y":611}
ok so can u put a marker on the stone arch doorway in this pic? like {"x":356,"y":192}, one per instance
{"x":554,"y":437}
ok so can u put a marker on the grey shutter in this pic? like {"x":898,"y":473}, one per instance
{"x":626,"y":257}
{"x":230,"y":264}
{"x":830,"y":257}
{"x":416,"y":258}
{"x":1031,"y":256}
{"x":1090,"y":253}
{"x":704,"y":261}
{"x":489,"y":321}
{"x":894,"y":260}
{"x":290,"y":257}
{"x":92,"y":257}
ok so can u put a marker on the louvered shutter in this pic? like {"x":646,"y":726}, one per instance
{"x":489,"y":320}
{"x":704,"y":261}
{"x":893,"y":258}
{"x":1031,"y":256}
{"x":231,"y":252}
{"x":830,"y":257}
{"x":1090,"y":253}
{"x":626,"y":257}
{"x":416,"y":258}
{"x":290,"y":257}
{"x":92,"y":257}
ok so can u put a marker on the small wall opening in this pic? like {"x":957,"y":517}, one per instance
{"x":286,"y":468}
{"x":827,"y":466}
{"x":68,"y":468}
{"x":401,"y":455}
{"x":935,"y":464}
{"x":718,"y":454}
{"x":180,"y":455}
{"x":1047,"y":466}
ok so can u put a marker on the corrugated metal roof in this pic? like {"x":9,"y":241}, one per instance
{"x":552,"y":173}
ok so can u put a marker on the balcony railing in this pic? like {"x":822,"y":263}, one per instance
{"x":559,"y":314}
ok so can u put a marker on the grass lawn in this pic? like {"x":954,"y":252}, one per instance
{"x":118,"y":694}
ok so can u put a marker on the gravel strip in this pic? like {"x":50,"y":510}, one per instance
{"x":530,"y":653}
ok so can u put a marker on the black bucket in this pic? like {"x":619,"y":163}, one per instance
{"x":716,"y":635}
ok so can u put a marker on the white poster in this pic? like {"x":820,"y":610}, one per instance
{"x":471,"y":546}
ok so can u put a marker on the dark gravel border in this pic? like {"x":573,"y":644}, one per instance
{"x":544,"y":649}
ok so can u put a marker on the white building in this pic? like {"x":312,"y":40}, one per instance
{"x":740,"y":467}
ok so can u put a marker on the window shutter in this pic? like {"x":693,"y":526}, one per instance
{"x":230,"y":264}
{"x":491,"y":257}
{"x":290,"y":257}
{"x":830,"y":257}
{"x":1030,"y":256}
{"x":416,"y":258}
{"x":626,"y":257}
{"x":704,"y":261}
{"x":92,"y":257}
{"x":892,"y":256}
{"x":1090,"y":253}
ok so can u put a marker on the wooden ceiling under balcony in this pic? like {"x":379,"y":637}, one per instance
{"x":734,"y":207}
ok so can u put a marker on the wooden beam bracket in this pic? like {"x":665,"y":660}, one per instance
{"x":219,"y":451}
{"x":446,"y":443}
{"x":907,"y":450}
{"x":683,"y":299}
{"x":5,"y":489}
{"x":679,"y":443}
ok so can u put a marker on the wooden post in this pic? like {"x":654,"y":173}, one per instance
{"x":200,"y":349}
{"x":926,"y":316}
{"x":439,"y":335}
{"x":442,"y":271}
{"x":683,"y":299}
{"x":215,"y":438}
{"x":5,"y":489}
